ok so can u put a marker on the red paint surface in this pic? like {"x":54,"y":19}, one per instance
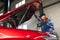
{"x":21,"y":34}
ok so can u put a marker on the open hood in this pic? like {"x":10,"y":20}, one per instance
{"x":20,"y":14}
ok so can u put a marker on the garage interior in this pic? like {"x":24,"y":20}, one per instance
{"x":51,"y":9}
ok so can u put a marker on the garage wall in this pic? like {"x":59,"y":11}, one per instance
{"x":46,"y":2}
{"x":28,"y":1}
{"x":14,"y":3}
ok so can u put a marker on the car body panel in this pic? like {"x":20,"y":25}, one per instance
{"x":10,"y":33}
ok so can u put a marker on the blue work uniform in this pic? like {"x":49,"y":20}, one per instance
{"x":47,"y":26}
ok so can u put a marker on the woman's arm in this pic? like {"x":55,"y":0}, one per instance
{"x":37,"y":18}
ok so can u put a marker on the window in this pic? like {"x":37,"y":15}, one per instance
{"x":23,"y":26}
{"x":20,"y":4}
{"x":1,"y":14}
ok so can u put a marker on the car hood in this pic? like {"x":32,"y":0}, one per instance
{"x":10,"y":33}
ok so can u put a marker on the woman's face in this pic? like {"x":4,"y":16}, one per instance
{"x":44,"y":18}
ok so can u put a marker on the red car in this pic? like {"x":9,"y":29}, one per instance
{"x":20,"y":34}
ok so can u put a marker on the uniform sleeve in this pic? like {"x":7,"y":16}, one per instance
{"x":39,"y":24}
{"x":37,"y":18}
{"x":50,"y":24}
